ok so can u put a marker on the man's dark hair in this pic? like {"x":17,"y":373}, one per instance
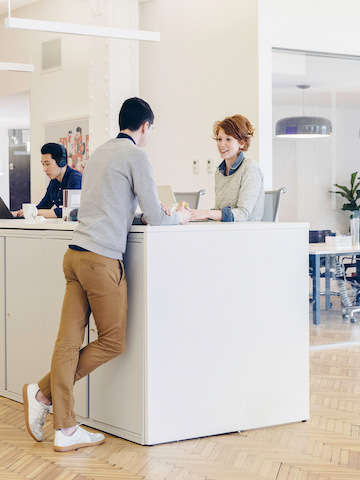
{"x":133,"y":113}
{"x":56,"y":151}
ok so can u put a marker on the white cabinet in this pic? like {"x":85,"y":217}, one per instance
{"x":226,"y":331}
{"x":2,"y":314}
{"x":35,"y":287}
{"x":26,"y":361}
{"x":217,"y":337}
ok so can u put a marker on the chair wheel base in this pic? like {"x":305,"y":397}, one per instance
{"x":348,"y":313}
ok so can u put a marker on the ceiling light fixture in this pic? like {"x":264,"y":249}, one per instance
{"x":303,"y":127}
{"x":16,"y":67}
{"x":78,"y":29}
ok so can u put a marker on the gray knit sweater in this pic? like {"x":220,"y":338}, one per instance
{"x":243,"y":192}
{"x":116,"y":177}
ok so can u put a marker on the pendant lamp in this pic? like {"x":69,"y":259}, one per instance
{"x":303,"y":127}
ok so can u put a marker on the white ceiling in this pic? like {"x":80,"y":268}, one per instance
{"x":328,"y":77}
{"x":14,"y":5}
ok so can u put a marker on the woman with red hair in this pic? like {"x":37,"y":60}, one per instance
{"x":239,"y":183}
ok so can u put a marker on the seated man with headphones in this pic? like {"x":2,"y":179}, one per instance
{"x":62,"y":177}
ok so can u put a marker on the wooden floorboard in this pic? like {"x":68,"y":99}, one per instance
{"x":327,"y":447}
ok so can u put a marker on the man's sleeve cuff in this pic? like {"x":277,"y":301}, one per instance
{"x":58,"y":212}
{"x":227,"y":215}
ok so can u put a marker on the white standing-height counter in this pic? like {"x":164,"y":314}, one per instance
{"x":217,"y":336}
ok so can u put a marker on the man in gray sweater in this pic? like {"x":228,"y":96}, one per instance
{"x":116,"y":178}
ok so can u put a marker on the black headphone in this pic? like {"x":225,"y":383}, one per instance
{"x":62,"y":162}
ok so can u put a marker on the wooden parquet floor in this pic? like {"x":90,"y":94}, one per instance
{"x":327,"y":447}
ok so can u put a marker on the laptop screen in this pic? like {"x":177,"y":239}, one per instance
{"x":4,"y":211}
{"x":166,"y":195}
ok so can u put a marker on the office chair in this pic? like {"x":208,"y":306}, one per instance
{"x":271,"y":206}
{"x":318,"y":236}
{"x":338,"y":269}
{"x":350,"y":306}
{"x":192,"y":198}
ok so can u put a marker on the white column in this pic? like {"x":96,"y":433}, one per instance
{"x":113,"y":69}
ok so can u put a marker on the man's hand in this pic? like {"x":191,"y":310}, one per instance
{"x":184,"y":213}
{"x":166,"y":209}
{"x":19,"y":213}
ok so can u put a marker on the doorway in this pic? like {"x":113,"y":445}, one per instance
{"x":19,"y":167}
{"x":15,"y":149}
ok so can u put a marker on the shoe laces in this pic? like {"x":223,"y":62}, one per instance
{"x":78,"y":425}
{"x":41,"y":419}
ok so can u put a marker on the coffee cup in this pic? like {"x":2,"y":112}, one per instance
{"x":29,"y":210}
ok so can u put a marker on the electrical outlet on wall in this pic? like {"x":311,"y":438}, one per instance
{"x":195,"y":166}
{"x":210,"y":165}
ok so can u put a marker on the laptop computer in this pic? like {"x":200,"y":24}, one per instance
{"x":5,"y":213}
{"x":166,"y":195}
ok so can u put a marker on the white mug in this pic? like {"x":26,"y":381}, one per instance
{"x":29,"y":210}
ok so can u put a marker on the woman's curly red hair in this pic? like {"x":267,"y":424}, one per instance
{"x":237,"y":127}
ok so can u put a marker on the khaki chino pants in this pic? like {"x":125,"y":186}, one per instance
{"x":94,"y":284}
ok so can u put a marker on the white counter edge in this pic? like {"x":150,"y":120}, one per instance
{"x":48,"y":224}
{"x":56,"y":224}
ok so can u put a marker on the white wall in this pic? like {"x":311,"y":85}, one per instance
{"x":203,"y":69}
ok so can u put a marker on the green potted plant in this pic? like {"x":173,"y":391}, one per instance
{"x":352,"y":195}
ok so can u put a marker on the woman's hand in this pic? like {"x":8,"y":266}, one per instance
{"x":206,"y":215}
{"x":198,"y":214}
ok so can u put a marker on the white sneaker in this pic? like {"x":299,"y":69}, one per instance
{"x":35,"y":412}
{"x":79,"y":439}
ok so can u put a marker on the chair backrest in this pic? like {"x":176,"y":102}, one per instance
{"x":271,"y":206}
{"x":192,"y":198}
{"x":318,"y":236}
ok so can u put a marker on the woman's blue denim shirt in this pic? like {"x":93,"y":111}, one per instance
{"x":227,"y":215}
